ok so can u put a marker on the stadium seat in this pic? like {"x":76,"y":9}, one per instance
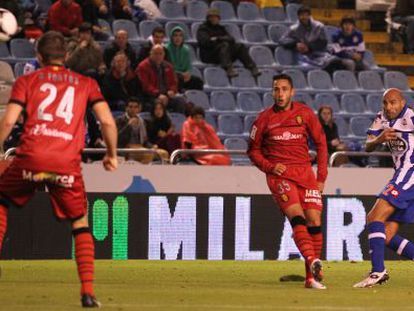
{"x":249,"y":12}
{"x":330,"y":31}
{"x":249,"y":102}
{"x":326,"y":99}
{"x":396,"y":79}
{"x":374,"y":102}
{"x":268,"y":100}
{"x":43,"y":5}
{"x":172,"y":9}
{"x":345,"y":80}
{"x":304,"y":98}
{"x":244,"y":80}
{"x":6,"y":73}
{"x":106,"y":27}
{"x":276,"y":31}
{"x":146,"y":28}
{"x":292,"y":11}
{"x":319,"y":80}
{"x":223,"y":101}
{"x":196,"y":10}
{"x":129,"y":26}
{"x":352,"y":103}
{"x":262,"y":56}
{"x":298,"y":78}
{"x":196,"y":72}
{"x":22,"y":48}
{"x":194,"y":59}
{"x":194,"y":29}
{"x":171,"y":24}
{"x":215,"y":78}
{"x":274,"y":14}
{"x":285,"y":57}
{"x":342,"y":124}
{"x":370,"y":80}
{"x":4,"y":51}
{"x":234,"y":31}
{"x":226,"y":9}
{"x":198,"y":98}
{"x":265,"y":80}
{"x":235,"y":143}
{"x":19,"y":69}
{"x":255,"y":33}
{"x":178,"y":120}
{"x":369,"y":58}
{"x":230,"y":125}
{"x":409,"y":100}
{"x":248,"y":122}
{"x":211,"y":119}
{"x":359,"y":126}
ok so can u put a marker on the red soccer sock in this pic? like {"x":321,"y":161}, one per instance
{"x":317,"y":240}
{"x":3,"y":223}
{"x":85,"y":256}
{"x":304,"y":243}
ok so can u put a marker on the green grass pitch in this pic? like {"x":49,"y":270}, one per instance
{"x":201,"y":285}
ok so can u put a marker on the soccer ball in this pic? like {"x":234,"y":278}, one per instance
{"x":8,"y":25}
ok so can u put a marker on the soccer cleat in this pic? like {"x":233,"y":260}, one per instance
{"x":313,"y":284}
{"x":316,"y":269}
{"x":374,"y":278}
{"x":89,"y":301}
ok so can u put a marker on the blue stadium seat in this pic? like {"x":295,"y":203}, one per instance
{"x":177,"y":119}
{"x":235,"y":143}
{"x":196,"y":72}
{"x":234,"y":31}
{"x":194,"y":59}
{"x":22,"y":48}
{"x":292,"y":11}
{"x":265,"y":80}
{"x":146,"y":115}
{"x":211,"y":119}
{"x":274,"y":14}
{"x":249,"y":102}
{"x":353,"y":103}
{"x":19,"y":69}
{"x":244,"y":80}
{"x":106,"y":27}
{"x":359,"y":126}
{"x":276,"y":31}
{"x":268,"y":99}
{"x":374,"y":102}
{"x":194,"y":28}
{"x":319,"y":80}
{"x":171,"y":24}
{"x":215,"y":78}
{"x":255,"y":33}
{"x":129,"y":26}
{"x":345,"y":80}
{"x":227,"y":12}
{"x":298,"y":78}
{"x":262,"y":56}
{"x":4,"y":51}
{"x":43,"y":5}
{"x":223,"y":101}
{"x":396,"y":79}
{"x":370,"y":80}
{"x":198,"y":98}
{"x":330,"y":31}
{"x":196,"y":10}
{"x":343,"y":127}
{"x":146,"y":28}
{"x":304,"y":98}
{"x":247,"y":11}
{"x":230,"y":125}
{"x":326,"y":99}
{"x":285,"y":57}
{"x":248,"y":122}
{"x":172,"y":9}
{"x":369,"y":58}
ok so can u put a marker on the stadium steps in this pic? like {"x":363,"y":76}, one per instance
{"x":391,"y":47}
{"x":394,"y":59}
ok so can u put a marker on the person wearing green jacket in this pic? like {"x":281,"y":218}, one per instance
{"x":179,"y":55}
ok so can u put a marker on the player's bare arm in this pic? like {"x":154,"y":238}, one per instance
{"x":373,"y":141}
{"x":109,"y":134}
{"x":7,"y":122}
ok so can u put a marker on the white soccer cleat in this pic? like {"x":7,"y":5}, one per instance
{"x":314,"y":284}
{"x":374,"y":278}
{"x":316,"y":269}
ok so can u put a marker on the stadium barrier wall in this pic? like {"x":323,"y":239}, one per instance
{"x":187,"y":226}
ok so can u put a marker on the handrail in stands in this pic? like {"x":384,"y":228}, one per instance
{"x":336,"y":154}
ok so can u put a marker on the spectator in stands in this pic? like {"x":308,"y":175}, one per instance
{"x":120,"y":44}
{"x":65,"y":16}
{"x":179,"y":55}
{"x":157,"y":37}
{"x":120,"y":83}
{"x":84,"y":54}
{"x":348,"y":44}
{"x":403,"y":13}
{"x":217,"y":46}
{"x":198,"y":134}
{"x":308,"y":38}
{"x":330,"y":128}
{"x":159,"y":81}
{"x":132,"y":132}
{"x":90,"y":12}
{"x":161,"y":131}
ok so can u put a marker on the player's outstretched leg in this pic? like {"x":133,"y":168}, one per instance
{"x":85,"y":255}
{"x":402,"y":246}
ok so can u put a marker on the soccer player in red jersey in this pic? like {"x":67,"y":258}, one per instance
{"x":54,"y":100}
{"x":279,"y":147}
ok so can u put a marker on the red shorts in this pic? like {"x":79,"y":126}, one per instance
{"x":67,"y":192}
{"x":286,"y":193}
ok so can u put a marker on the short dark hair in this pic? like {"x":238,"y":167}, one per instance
{"x":347,"y":19}
{"x":51,"y":46}
{"x":283,"y":76}
{"x":85,"y":27}
{"x":197,"y":110}
{"x":134,"y":99}
{"x":304,"y":9}
{"x":158,"y":29}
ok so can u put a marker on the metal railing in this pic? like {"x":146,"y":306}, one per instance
{"x":337,"y":154}
{"x":175,"y":155}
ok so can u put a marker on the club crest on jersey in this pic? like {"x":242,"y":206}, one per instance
{"x":299,"y":120}
{"x":397,"y":145}
{"x":395,"y":193}
{"x":284,"y":197}
{"x":404,"y":122}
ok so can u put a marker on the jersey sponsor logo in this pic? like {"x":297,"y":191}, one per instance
{"x":299,"y":120}
{"x":61,"y":180}
{"x":398,"y":145}
{"x":43,"y":130}
{"x":253,"y":132}
{"x":313,"y":196}
{"x":287,"y":136}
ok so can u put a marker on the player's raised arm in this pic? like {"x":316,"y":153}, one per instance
{"x":109,"y":134}
{"x":7,"y":122}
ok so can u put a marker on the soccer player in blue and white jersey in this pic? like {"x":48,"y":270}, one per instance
{"x":394,"y":125}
